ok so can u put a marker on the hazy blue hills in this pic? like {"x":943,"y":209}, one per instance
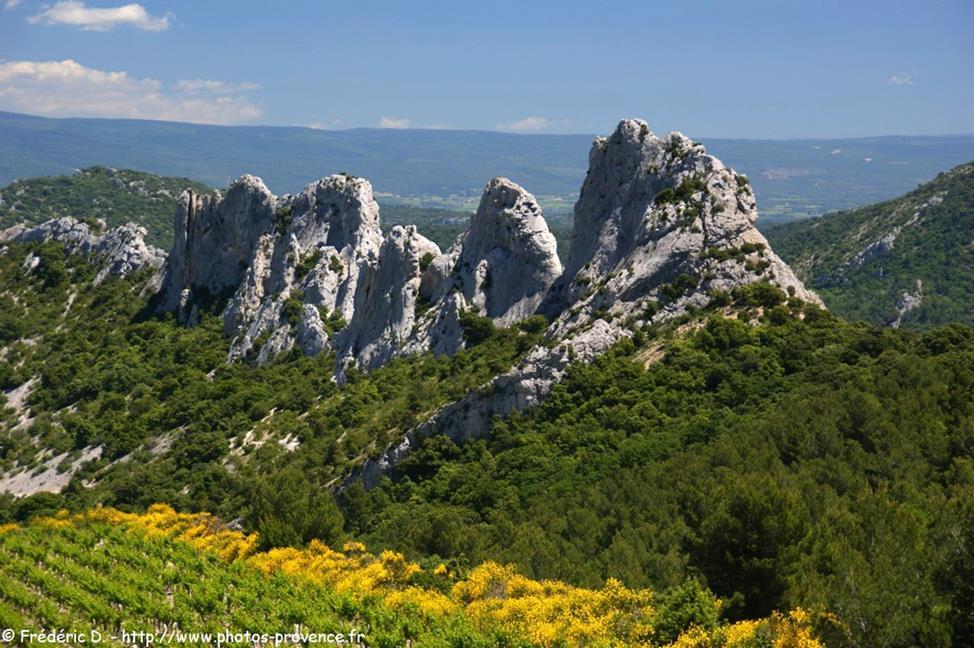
{"x":792,"y":178}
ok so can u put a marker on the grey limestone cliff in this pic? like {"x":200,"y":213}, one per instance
{"x":314,"y":270}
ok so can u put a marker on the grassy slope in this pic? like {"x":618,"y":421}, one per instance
{"x":937,"y":248}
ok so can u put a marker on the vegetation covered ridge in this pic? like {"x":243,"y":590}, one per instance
{"x":54,"y":570}
{"x":116,"y":196}
{"x":906,"y":262}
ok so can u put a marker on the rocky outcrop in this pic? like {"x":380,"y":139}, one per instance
{"x":387,"y":306}
{"x":660,"y":226}
{"x":500,"y":268}
{"x":878,"y":249}
{"x":907,"y":302}
{"x":506,"y":261}
{"x":313,"y":270}
{"x":275,"y":259}
{"x":215,"y":238}
{"x":325,"y":241}
{"x":119,"y":251}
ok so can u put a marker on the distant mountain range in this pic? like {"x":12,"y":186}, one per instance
{"x":904,"y":262}
{"x":444,"y":168}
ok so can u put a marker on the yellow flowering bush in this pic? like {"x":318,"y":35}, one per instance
{"x":545,"y":612}
{"x":792,"y":630}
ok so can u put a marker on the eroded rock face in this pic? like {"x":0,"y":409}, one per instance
{"x":506,"y":261}
{"x":119,"y":251}
{"x":387,"y":306}
{"x":214,"y":241}
{"x":660,"y":226}
{"x":323,"y":244}
{"x":501,"y":268}
{"x":313,"y":270}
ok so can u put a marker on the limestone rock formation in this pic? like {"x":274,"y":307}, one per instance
{"x":660,"y":226}
{"x":215,"y":238}
{"x":506,"y":261}
{"x":274,"y":257}
{"x":500,"y":268}
{"x":386,"y":307}
{"x":322,"y":247}
{"x":313,"y":270}
{"x":119,"y":251}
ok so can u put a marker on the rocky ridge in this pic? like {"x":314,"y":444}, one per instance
{"x":313,"y":270}
{"x":660,"y":227}
{"x":119,"y":251}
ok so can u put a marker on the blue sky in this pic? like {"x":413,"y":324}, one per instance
{"x":711,"y":69}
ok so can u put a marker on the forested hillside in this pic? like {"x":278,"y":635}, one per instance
{"x":764,"y":449}
{"x":116,"y":196}
{"x":905,"y":262}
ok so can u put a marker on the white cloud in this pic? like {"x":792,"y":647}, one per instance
{"x":392,"y":122}
{"x":10,"y":4}
{"x":77,"y":14}
{"x":324,"y":125}
{"x":904,"y":79}
{"x":207,"y":86}
{"x":67,"y":88}
{"x":526,"y":125}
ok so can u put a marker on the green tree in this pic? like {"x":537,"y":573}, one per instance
{"x":288,"y":509}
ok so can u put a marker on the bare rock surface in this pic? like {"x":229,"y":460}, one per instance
{"x":119,"y":251}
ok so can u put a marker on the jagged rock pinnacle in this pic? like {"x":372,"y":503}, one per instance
{"x":659,"y":227}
